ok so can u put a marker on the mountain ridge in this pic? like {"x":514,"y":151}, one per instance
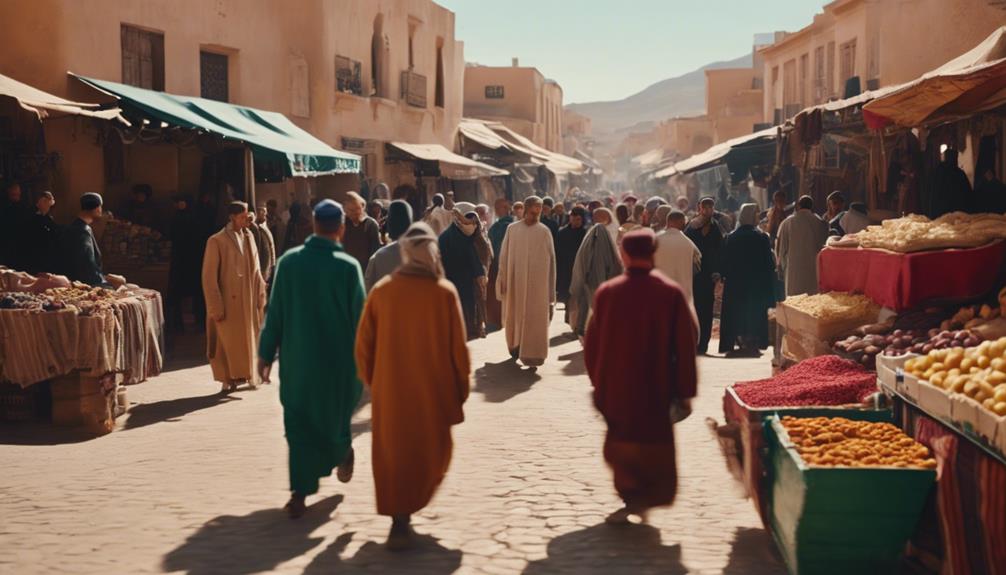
{"x":678,"y":96}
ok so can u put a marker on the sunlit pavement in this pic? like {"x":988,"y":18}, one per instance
{"x":194,"y":482}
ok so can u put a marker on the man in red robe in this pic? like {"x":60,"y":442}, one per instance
{"x":640,"y":353}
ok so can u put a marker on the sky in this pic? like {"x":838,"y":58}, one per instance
{"x":610,"y":49}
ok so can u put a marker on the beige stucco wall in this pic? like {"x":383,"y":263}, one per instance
{"x":43,"y":39}
{"x":531,"y":105}
{"x":906,"y":37}
{"x":733,"y":105}
{"x":686,"y":136}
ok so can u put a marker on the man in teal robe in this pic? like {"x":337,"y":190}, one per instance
{"x":317,"y":299}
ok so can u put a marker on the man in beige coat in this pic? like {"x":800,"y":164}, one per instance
{"x":235,"y":299}
{"x":801,"y":237}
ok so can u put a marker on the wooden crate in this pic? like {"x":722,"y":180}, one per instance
{"x":81,"y":401}
{"x":841,"y":520}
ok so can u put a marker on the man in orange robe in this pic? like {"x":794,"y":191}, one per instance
{"x":646,"y":330}
{"x":413,"y":408}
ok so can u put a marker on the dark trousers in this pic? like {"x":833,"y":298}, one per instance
{"x":704,"y":293}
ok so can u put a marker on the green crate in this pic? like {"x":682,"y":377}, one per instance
{"x":841,"y":520}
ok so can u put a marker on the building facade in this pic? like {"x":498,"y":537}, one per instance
{"x":397,"y":79}
{"x":858,"y":45}
{"x":519,"y":97}
{"x":733,"y":102}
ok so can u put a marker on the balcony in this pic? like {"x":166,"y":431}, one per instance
{"x":414,"y":89}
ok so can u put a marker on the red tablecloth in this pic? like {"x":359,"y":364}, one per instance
{"x":903,"y":281}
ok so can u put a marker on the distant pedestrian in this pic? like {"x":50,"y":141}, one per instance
{"x":547,"y":205}
{"x":438,"y":217}
{"x":235,"y":300}
{"x":526,"y":285}
{"x":801,"y":237}
{"x":596,"y":262}
{"x":705,"y":233}
{"x":677,"y":256}
{"x":14,"y":217}
{"x":463,"y":267}
{"x":659,"y":222}
{"x":362,"y":236}
{"x":494,"y":310}
{"x":640,"y":355}
{"x":417,"y":384}
{"x":748,"y":287}
{"x":387,"y":259}
{"x":264,"y":242}
{"x":518,"y":211}
{"x":568,"y":243}
{"x":186,"y":256}
{"x":317,"y":299}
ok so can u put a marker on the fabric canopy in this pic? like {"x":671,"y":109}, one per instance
{"x":972,"y":82}
{"x":452,"y":165}
{"x":496,"y":136}
{"x":271,"y":135}
{"x":718,"y":152}
{"x":44,"y":104}
{"x":649,"y":158}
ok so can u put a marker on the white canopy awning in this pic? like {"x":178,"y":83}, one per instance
{"x":973,"y":82}
{"x":649,"y":158}
{"x":716,"y":152}
{"x":555,"y":162}
{"x":452,"y":166}
{"x":480,"y":133}
{"x":45,"y":104}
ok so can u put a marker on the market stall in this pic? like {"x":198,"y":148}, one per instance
{"x":80,"y":343}
{"x":916,"y":305}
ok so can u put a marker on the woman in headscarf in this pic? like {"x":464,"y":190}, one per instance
{"x":659,"y":221}
{"x":463,"y":266}
{"x":749,"y":287}
{"x":418,"y":379}
{"x":596,"y":262}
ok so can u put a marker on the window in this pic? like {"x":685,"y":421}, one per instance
{"x":378,"y":59}
{"x":831,"y":69}
{"x":789,"y":83}
{"x":348,"y":76}
{"x":213,"y":76}
{"x":848,"y":60}
{"x":819,"y":78}
{"x":142,"y":58}
{"x":494,"y":92}
{"x":438,"y":93}
{"x":804,"y":78}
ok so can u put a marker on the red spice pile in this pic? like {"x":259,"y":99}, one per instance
{"x":822,"y":380}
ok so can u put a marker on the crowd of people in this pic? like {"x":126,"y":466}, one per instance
{"x":375,"y":290}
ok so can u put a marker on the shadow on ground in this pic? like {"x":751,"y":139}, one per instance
{"x":499,"y":382}
{"x":170,"y":410}
{"x":574,"y":365}
{"x":753,"y":551}
{"x":42,"y":433}
{"x":428,"y":556}
{"x":251,"y":543}
{"x":604,"y":549}
{"x":562,"y":339}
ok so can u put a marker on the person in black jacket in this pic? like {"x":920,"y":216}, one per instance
{"x":187,"y":246}
{"x":41,"y":236}
{"x":547,"y":218}
{"x":567,"y":244}
{"x":705,"y":233}
{"x":83,"y":263}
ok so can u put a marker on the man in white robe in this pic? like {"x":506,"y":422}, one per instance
{"x":677,"y":257}
{"x":526,"y":285}
{"x":801,"y":237}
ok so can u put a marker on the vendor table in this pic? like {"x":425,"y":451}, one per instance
{"x":970,"y":507}
{"x":904,"y":281}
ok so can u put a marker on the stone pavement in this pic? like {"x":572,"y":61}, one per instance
{"x":193,"y":482}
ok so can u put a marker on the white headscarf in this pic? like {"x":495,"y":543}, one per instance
{"x":748,"y":215}
{"x":420,"y":252}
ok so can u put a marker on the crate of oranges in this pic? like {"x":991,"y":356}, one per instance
{"x":846,"y":494}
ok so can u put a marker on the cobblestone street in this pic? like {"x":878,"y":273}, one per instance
{"x":193,"y":482}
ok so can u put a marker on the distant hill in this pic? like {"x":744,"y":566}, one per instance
{"x":680,"y":96}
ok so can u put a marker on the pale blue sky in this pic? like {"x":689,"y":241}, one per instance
{"x":609,"y":49}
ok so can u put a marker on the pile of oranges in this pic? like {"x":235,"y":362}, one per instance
{"x":841,"y":442}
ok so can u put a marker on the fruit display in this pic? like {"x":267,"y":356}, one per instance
{"x":125,"y":243}
{"x":834,"y":306}
{"x":85,"y":300}
{"x":822,"y":380}
{"x":914,"y":233}
{"x":841,"y":442}
{"x":977,"y":372}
